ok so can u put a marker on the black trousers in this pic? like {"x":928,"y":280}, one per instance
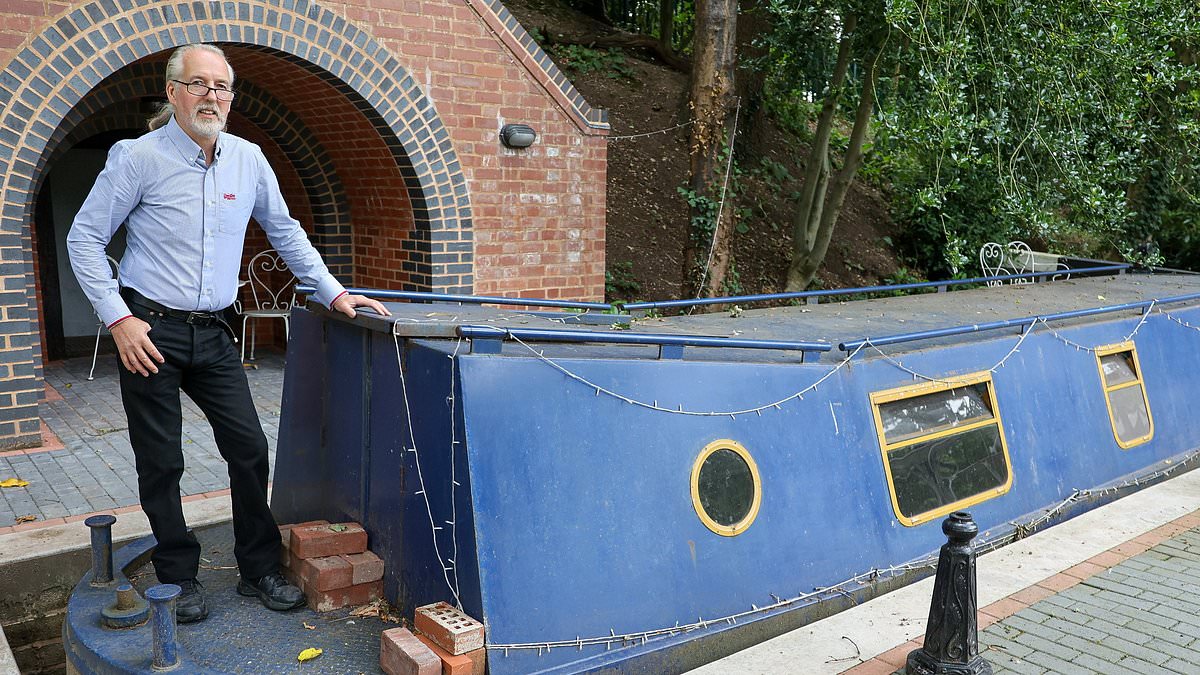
{"x":200,"y":361}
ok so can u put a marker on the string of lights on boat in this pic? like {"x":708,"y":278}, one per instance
{"x":447,"y":563}
{"x":1016,"y":531}
{"x":1027,"y":330}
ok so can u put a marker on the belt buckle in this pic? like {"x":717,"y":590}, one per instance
{"x":199,"y":318}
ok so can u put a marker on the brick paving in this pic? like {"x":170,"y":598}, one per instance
{"x":1132,"y":610}
{"x":87,"y":465}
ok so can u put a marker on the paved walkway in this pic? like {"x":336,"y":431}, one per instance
{"x":1114,"y":590}
{"x":86,"y":465}
{"x":1116,"y":613}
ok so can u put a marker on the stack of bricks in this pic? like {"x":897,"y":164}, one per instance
{"x":331,"y":564}
{"x":447,"y":642}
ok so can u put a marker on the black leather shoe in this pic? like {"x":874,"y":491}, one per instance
{"x":190,"y":605}
{"x":274,"y":591}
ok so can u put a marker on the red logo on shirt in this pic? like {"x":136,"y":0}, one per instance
{"x":229,"y":196}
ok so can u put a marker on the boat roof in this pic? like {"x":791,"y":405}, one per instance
{"x":829,"y":323}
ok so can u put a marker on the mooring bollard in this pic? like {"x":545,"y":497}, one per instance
{"x":102,"y":565}
{"x":162,"y":621}
{"x":952,"y":634}
{"x":128,"y":609}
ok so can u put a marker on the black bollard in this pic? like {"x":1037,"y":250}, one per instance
{"x":952,"y":634}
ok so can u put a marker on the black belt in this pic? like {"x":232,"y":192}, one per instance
{"x":193,"y":318}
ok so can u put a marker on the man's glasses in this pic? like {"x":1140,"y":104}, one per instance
{"x":201,"y":89}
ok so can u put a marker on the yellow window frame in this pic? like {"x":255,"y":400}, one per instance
{"x":912,"y":391}
{"x":743,"y":524}
{"x":1108,"y":350}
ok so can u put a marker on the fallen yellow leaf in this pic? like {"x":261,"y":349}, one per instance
{"x":308,"y":626}
{"x":26,"y":519}
{"x":309,"y":654}
{"x":1100,"y":297}
{"x":13,"y":482}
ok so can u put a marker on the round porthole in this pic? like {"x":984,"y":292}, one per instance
{"x":726,"y":488}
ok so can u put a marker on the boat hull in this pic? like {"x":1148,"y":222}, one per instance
{"x":549,"y":490}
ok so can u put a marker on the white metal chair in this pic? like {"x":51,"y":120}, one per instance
{"x":1017,"y":258}
{"x":272,"y":294}
{"x":116,"y":270}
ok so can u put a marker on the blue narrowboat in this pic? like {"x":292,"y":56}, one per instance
{"x":647,"y":494}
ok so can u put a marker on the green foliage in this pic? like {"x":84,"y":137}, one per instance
{"x":1071,"y":124}
{"x":1052,"y":121}
{"x":704,"y":215}
{"x":901,"y":276}
{"x":620,"y":282}
{"x":732,"y":285}
{"x":583,"y":59}
{"x":774,"y":174}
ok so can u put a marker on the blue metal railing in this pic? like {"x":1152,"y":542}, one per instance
{"x":695,"y":302}
{"x":417,"y":296}
{"x":555,"y":335}
{"x":1010,"y":323}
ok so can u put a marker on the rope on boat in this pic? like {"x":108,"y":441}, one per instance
{"x":1019,"y":530}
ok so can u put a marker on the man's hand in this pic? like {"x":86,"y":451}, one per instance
{"x":347,"y":303}
{"x":138,"y":353}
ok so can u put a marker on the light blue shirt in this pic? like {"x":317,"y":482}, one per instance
{"x":185,"y":224}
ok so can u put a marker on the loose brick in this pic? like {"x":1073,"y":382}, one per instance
{"x":401,"y":653}
{"x":324,"y":574}
{"x":285,"y":540}
{"x":319,"y":541}
{"x":471,"y":663}
{"x":451,"y":629}
{"x":350,"y":596}
{"x":366,"y":567}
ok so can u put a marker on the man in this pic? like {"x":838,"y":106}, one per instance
{"x":185,"y":192}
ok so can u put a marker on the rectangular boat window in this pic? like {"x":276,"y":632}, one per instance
{"x":943,"y":446}
{"x":1125,"y":394}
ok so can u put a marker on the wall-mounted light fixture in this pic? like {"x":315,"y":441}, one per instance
{"x":517,"y":135}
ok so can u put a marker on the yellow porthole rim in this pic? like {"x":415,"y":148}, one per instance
{"x":932,"y":387}
{"x":743,"y":524}
{"x":1108,"y":350}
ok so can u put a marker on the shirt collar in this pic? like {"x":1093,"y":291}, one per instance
{"x":189,"y":149}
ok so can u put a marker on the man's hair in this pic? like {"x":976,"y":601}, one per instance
{"x":175,"y":72}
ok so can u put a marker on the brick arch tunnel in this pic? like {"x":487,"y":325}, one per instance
{"x":363,"y":160}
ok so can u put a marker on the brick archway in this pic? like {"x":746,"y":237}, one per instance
{"x":59,"y":67}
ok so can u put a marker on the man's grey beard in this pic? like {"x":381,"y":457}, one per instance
{"x":209,"y":128}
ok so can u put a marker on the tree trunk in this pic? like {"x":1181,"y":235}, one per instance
{"x":706,"y":259}
{"x":666,"y":26}
{"x":816,"y":171}
{"x":752,"y":22}
{"x":804,"y":268}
